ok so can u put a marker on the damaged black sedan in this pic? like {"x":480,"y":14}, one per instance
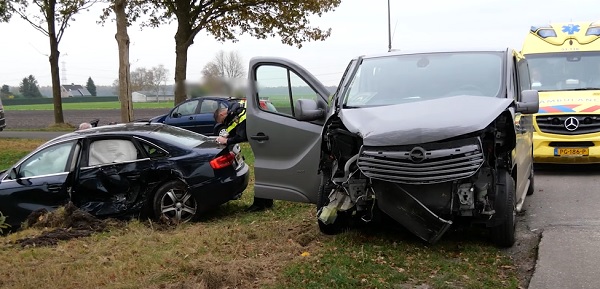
{"x":430,"y":139}
{"x":134,"y":169}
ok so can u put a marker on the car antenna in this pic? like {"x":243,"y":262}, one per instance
{"x":389,"y":29}
{"x":390,"y":34}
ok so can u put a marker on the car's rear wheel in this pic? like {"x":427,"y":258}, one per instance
{"x":341,"y":222}
{"x":174,"y":203}
{"x":504,"y":234}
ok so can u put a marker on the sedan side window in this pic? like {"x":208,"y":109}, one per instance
{"x":112,"y":151}
{"x":209,"y":106}
{"x":187,"y":108}
{"x":153,"y":152}
{"x":51,"y":160}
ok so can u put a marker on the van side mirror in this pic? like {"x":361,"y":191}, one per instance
{"x":530,"y":102}
{"x":308,"y":110}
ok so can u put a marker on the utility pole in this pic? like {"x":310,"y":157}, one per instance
{"x":64,"y":73}
{"x":389,"y":30}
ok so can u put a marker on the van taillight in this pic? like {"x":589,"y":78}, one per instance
{"x":222,"y":161}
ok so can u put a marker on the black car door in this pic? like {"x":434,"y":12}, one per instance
{"x":114,"y":177}
{"x":38,"y":182}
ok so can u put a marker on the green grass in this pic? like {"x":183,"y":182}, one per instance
{"x":375,"y":260}
{"x":90,"y":105}
{"x":14,"y":149}
{"x":277,"y":248}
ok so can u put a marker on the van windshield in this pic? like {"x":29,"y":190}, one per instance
{"x":415,"y":77}
{"x":564,"y":71}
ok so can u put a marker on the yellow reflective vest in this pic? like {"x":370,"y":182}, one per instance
{"x":237,"y":120}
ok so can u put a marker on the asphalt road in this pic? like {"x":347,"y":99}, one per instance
{"x":566,"y":209}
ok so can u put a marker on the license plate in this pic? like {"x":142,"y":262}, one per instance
{"x":571,"y":151}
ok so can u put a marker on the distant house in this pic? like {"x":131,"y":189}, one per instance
{"x":73,"y":90}
{"x":147,"y":96}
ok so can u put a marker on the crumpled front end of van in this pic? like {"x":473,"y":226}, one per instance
{"x":423,"y":163}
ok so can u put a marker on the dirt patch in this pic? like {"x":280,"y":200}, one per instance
{"x":68,"y":222}
{"x":303,"y":234}
{"x":524,"y":252}
{"x":216,"y":274}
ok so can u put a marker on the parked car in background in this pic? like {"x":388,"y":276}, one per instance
{"x":145,"y":169}
{"x":430,"y":138}
{"x":197,"y":114}
{"x":2,"y":118}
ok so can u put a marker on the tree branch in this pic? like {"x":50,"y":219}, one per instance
{"x":36,"y":26}
{"x":61,"y":30}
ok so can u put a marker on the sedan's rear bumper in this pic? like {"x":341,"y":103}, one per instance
{"x":220,"y":190}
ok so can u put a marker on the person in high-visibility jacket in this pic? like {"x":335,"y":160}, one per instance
{"x":233,"y":120}
{"x":233,"y":131}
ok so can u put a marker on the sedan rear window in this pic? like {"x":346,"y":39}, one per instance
{"x":181,"y":136}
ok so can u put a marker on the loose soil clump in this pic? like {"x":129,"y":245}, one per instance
{"x":69,"y":222}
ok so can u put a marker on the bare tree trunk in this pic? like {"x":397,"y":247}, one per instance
{"x":54,"y":71}
{"x":124,"y":80}
{"x":182,"y":44}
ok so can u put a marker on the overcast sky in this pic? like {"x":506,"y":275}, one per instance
{"x":358,"y":27}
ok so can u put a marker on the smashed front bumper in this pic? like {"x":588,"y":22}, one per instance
{"x":411,"y":213}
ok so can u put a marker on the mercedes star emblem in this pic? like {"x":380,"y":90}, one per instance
{"x":417,"y":154}
{"x":571,"y":123}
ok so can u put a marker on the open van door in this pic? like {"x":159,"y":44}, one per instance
{"x":286,"y":150}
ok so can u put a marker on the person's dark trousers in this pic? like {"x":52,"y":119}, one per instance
{"x":260,"y":204}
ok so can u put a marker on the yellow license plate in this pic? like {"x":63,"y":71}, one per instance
{"x":571,"y":151}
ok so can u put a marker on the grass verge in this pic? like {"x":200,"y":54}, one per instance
{"x":15,"y":149}
{"x":229,"y":248}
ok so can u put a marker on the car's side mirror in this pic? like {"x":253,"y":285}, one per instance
{"x":530,"y":102}
{"x":307,"y":110}
{"x":175,"y":115}
{"x":14,"y":174}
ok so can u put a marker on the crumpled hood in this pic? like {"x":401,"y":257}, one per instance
{"x":423,"y":121}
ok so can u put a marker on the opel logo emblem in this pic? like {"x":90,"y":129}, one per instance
{"x":417,"y":154}
{"x":571,"y":123}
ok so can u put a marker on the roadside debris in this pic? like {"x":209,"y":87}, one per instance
{"x":69,"y":222}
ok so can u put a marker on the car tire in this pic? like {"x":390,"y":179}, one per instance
{"x":504,"y":234}
{"x":341,"y":222}
{"x":531,"y":188}
{"x":218,"y":128}
{"x":174,"y":203}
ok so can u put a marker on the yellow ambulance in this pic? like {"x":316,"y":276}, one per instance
{"x":564,"y":65}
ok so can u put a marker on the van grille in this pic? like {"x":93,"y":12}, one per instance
{"x":423,"y":164}
{"x":568,"y":124}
